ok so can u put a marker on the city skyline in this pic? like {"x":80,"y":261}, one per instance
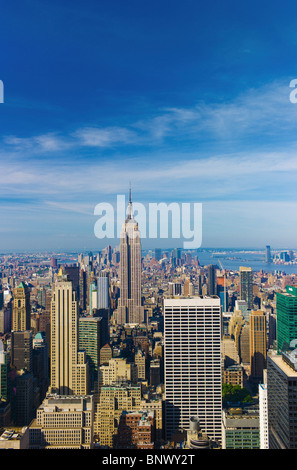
{"x":165,"y":322}
{"x":166,"y":379}
{"x":182,"y":99}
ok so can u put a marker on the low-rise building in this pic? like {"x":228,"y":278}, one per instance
{"x":63,"y":422}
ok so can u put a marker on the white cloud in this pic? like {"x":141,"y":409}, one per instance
{"x":104,"y":137}
{"x":252,"y":117}
{"x":49,"y":142}
{"x":43,"y":167}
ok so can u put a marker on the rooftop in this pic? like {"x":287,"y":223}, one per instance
{"x":12,"y":433}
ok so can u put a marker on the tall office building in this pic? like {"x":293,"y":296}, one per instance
{"x":22,"y":350}
{"x":21,"y":308}
{"x":66,"y":366}
{"x":41,"y":363}
{"x":268,"y":254}
{"x":281,"y":399}
{"x":263,"y":413}
{"x":286,"y":324}
{"x":83,"y":281}
{"x":4,"y":369}
{"x":246,"y":285}
{"x":140,"y":363}
{"x":192,"y":359}
{"x":258,"y":343}
{"x":72,"y":273}
{"x":5,"y":319}
{"x":129,"y":308}
{"x":103,"y":290}
{"x":104,"y":314}
{"x":93,"y":297}
{"x":89,"y":341}
{"x":22,"y":399}
{"x":211,"y":281}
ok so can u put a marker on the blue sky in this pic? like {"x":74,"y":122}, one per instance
{"x":188,"y":100}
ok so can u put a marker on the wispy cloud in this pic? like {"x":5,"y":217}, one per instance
{"x":166,"y":177}
{"x":105,"y":137}
{"x":265,"y":111}
{"x":54,"y":173}
{"x":45,"y":143}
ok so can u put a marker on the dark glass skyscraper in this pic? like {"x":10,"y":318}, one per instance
{"x":286,"y":308}
{"x":246,"y":286}
{"x":211,"y":282}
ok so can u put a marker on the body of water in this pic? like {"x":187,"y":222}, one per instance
{"x":233,"y":261}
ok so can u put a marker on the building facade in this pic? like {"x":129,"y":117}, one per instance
{"x":286,"y":308}
{"x":21,"y":308}
{"x":263,"y":416}
{"x":129,"y":308}
{"x":66,"y":366}
{"x":63,"y":422}
{"x":241,"y":429}
{"x":282,"y":400}
{"x":246,"y":286}
{"x":192,"y":358}
{"x":258,"y":343}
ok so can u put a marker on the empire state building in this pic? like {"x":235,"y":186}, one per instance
{"x":129,"y":308}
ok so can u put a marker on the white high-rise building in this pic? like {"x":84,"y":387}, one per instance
{"x":263,"y":416}
{"x":192,"y":358}
{"x":103,"y":290}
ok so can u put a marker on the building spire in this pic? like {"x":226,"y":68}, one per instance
{"x":130,"y":211}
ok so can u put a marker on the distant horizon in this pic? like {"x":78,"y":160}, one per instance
{"x":96,"y":250}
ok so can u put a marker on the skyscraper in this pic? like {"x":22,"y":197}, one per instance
{"x":66,"y":366}
{"x":4,"y":368}
{"x":93,"y":297}
{"x":22,"y":350}
{"x":21,"y":308}
{"x":89,"y":341}
{"x":268,"y":254}
{"x":246,"y":286}
{"x":258,"y":343}
{"x":263,"y":413}
{"x":72,"y":273}
{"x":192,"y":359}
{"x":103,"y":290}
{"x":211,"y":281}
{"x":286,"y":324}
{"x":281,"y":399}
{"x":130,"y":309}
